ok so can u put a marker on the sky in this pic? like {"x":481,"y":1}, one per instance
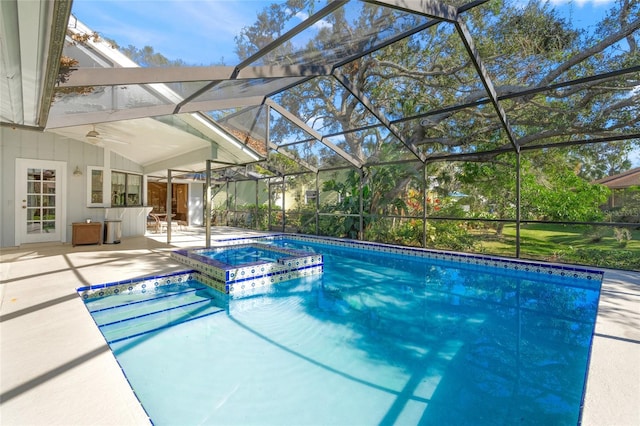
{"x":198,"y":32}
{"x":202,"y":32}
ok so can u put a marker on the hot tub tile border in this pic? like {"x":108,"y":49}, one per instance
{"x":227,"y":278}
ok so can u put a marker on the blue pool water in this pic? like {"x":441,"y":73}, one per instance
{"x":243,"y":255}
{"x":377,"y":339}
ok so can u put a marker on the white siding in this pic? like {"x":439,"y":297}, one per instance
{"x":21,"y":143}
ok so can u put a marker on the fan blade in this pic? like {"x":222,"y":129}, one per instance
{"x":115,"y":141}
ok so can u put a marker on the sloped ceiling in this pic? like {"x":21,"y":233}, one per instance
{"x":32,"y":35}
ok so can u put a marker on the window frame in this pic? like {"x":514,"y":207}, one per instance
{"x":106,"y":183}
{"x":123,"y":199}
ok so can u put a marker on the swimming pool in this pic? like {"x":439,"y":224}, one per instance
{"x":385,"y":336}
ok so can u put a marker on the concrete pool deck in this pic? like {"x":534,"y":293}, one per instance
{"x":56,"y":369}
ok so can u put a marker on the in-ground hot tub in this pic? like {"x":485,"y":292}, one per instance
{"x":236,"y":269}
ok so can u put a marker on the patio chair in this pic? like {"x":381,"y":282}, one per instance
{"x":153,"y":223}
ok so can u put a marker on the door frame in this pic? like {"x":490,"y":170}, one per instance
{"x":61,"y":197}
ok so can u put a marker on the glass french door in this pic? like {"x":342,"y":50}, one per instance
{"x":39,"y":190}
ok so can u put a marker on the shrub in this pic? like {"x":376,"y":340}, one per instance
{"x":619,"y":259}
{"x":622,"y":236}
{"x":595,"y":234}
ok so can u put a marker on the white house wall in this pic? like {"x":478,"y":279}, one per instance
{"x":21,"y":143}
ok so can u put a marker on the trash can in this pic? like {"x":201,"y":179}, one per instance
{"x":112,"y":231}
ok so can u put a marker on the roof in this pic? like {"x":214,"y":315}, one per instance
{"x":621,"y":180}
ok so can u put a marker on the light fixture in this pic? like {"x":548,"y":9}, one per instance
{"x":93,"y":133}
{"x":77,"y":171}
{"x":93,"y":137}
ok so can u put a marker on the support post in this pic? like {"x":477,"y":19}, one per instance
{"x":518,"y":183}
{"x":207,"y":206}
{"x":425,"y":192}
{"x":235,"y":203}
{"x":255,"y":214}
{"x":361,"y":224}
{"x":317,"y":203}
{"x":269,"y":209}
{"x":227,"y":204}
{"x":284,"y":203}
{"x":169,"y":199}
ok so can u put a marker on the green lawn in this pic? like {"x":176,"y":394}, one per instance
{"x":566,"y":244}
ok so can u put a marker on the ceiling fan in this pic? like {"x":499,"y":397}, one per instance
{"x":96,"y":138}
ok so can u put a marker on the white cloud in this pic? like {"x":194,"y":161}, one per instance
{"x":318,"y":25}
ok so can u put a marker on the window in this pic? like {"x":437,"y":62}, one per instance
{"x":310,"y":197}
{"x":126,"y":189}
{"x":96,"y":184}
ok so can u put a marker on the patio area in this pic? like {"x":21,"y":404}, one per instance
{"x":57,"y":369}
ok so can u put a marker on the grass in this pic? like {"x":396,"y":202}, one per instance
{"x":567,"y":244}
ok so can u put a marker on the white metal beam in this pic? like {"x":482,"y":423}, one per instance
{"x":150,"y":111}
{"x":78,"y":119}
{"x":11,"y":105}
{"x":126,"y":76}
{"x":219,"y":104}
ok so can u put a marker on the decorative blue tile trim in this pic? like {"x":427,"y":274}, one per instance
{"x":462,"y":259}
{"x":136,"y":285}
{"x":236,"y":281}
{"x":137,"y":302}
{"x":467,"y":260}
{"x":230,"y":279}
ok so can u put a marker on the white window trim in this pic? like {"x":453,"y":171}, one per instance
{"x":106,"y":186}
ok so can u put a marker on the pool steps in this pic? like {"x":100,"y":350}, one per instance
{"x":122,"y":319}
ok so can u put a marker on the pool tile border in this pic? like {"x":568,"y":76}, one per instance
{"x":253,"y":285}
{"x":231,"y":279}
{"x":136,"y":285}
{"x":474,"y":261}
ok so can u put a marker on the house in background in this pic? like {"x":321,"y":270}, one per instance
{"x":625,"y":193}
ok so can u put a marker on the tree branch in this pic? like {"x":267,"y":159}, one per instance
{"x":584,"y":54}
